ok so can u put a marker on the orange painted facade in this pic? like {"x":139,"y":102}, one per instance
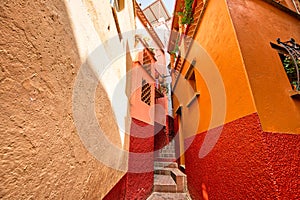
{"x":245,"y":62}
{"x":278,"y":112}
{"x":232,"y":97}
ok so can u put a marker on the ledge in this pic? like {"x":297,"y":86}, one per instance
{"x":283,"y":8}
{"x":196,"y":95}
{"x":178,"y":111}
{"x":294,"y":94}
{"x":141,"y":66}
{"x":158,"y":94}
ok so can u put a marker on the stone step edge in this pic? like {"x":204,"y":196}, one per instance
{"x":178,"y":177}
{"x":169,"y":186}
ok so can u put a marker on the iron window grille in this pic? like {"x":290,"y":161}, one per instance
{"x":291,"y":61}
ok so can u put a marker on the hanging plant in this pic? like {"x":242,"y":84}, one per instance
{"x":176,"y":48}
{"x":187,"y":13}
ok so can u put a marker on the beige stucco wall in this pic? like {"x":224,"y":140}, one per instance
{"x":43,"y":45}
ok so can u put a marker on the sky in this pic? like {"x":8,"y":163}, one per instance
{"x":169,"y":4}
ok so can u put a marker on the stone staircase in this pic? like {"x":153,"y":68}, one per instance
{"x":166,"y":156}
{"x":169,"y":181}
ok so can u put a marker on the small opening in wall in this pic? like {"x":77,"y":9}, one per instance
{"x":190,"y":76}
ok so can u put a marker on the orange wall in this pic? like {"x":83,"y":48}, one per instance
{"x":258,"y":23}
{"x":220,"y":62}
{"x":139,"y":109}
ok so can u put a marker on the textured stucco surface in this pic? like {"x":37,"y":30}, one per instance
{"x":246,"y":163}
{"x":257,"y":23}
{"x":140,"y":183}
{"x":118,"y":191}
{"x":217,"y":56}
{"x":41,"y":154}
{"x":160,"y":137}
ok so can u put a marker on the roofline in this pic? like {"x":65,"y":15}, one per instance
{"x":163,"y":5}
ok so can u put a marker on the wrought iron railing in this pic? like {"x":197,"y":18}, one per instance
{"x":293,"y":50}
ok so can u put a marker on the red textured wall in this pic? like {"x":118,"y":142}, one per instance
{"x":118,"y":191}
{"x":246,"y":163}
{"x":160,"y":138}
{"x":139,"y":185}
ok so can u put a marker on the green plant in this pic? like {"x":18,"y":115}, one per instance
{"x":176,"y":48}
{"x":151,"y":49}
{"x":187,"y":13}
{"x":164,"y":88}
{"x":291,"y":70}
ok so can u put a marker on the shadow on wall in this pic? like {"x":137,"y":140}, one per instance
{"x":40,"y":148}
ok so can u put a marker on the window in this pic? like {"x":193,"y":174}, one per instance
{"x":192,"y":81}
{"x":191,"y":78}
{"x":290,"y":69}
{"x":146,"y":92}
{"x":289,"y":53}
{"x":118,"y":4}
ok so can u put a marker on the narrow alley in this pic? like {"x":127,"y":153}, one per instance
{"x":150,"y":99}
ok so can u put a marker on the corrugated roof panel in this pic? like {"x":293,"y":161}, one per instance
{"x":151,"y":18}
{"x":155,"y":11}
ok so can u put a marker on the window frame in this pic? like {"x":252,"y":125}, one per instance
{"x":284,"y":52}
{"x":191,"y":78}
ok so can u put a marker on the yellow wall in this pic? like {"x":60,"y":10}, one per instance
{"x":257,"y":24}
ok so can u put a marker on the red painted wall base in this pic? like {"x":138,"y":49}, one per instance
{"x":137,"y":184}
{"x":246,"y":163}
{"x":118,"y":191}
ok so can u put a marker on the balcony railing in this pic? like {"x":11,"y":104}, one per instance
{"x":185,"y":38}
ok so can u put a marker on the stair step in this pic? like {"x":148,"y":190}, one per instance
{"x":160,"y":159}
{"x":179,"y":178}
{"x":164,"y":183}
{"x":162,"y":171}
{"x":164,"y":195}
{"x":167,"y":155}
{"x":162,"y":177}
{"x":161,"y":165}
{"x":167,"y":150}
{"x":167,"y":170}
